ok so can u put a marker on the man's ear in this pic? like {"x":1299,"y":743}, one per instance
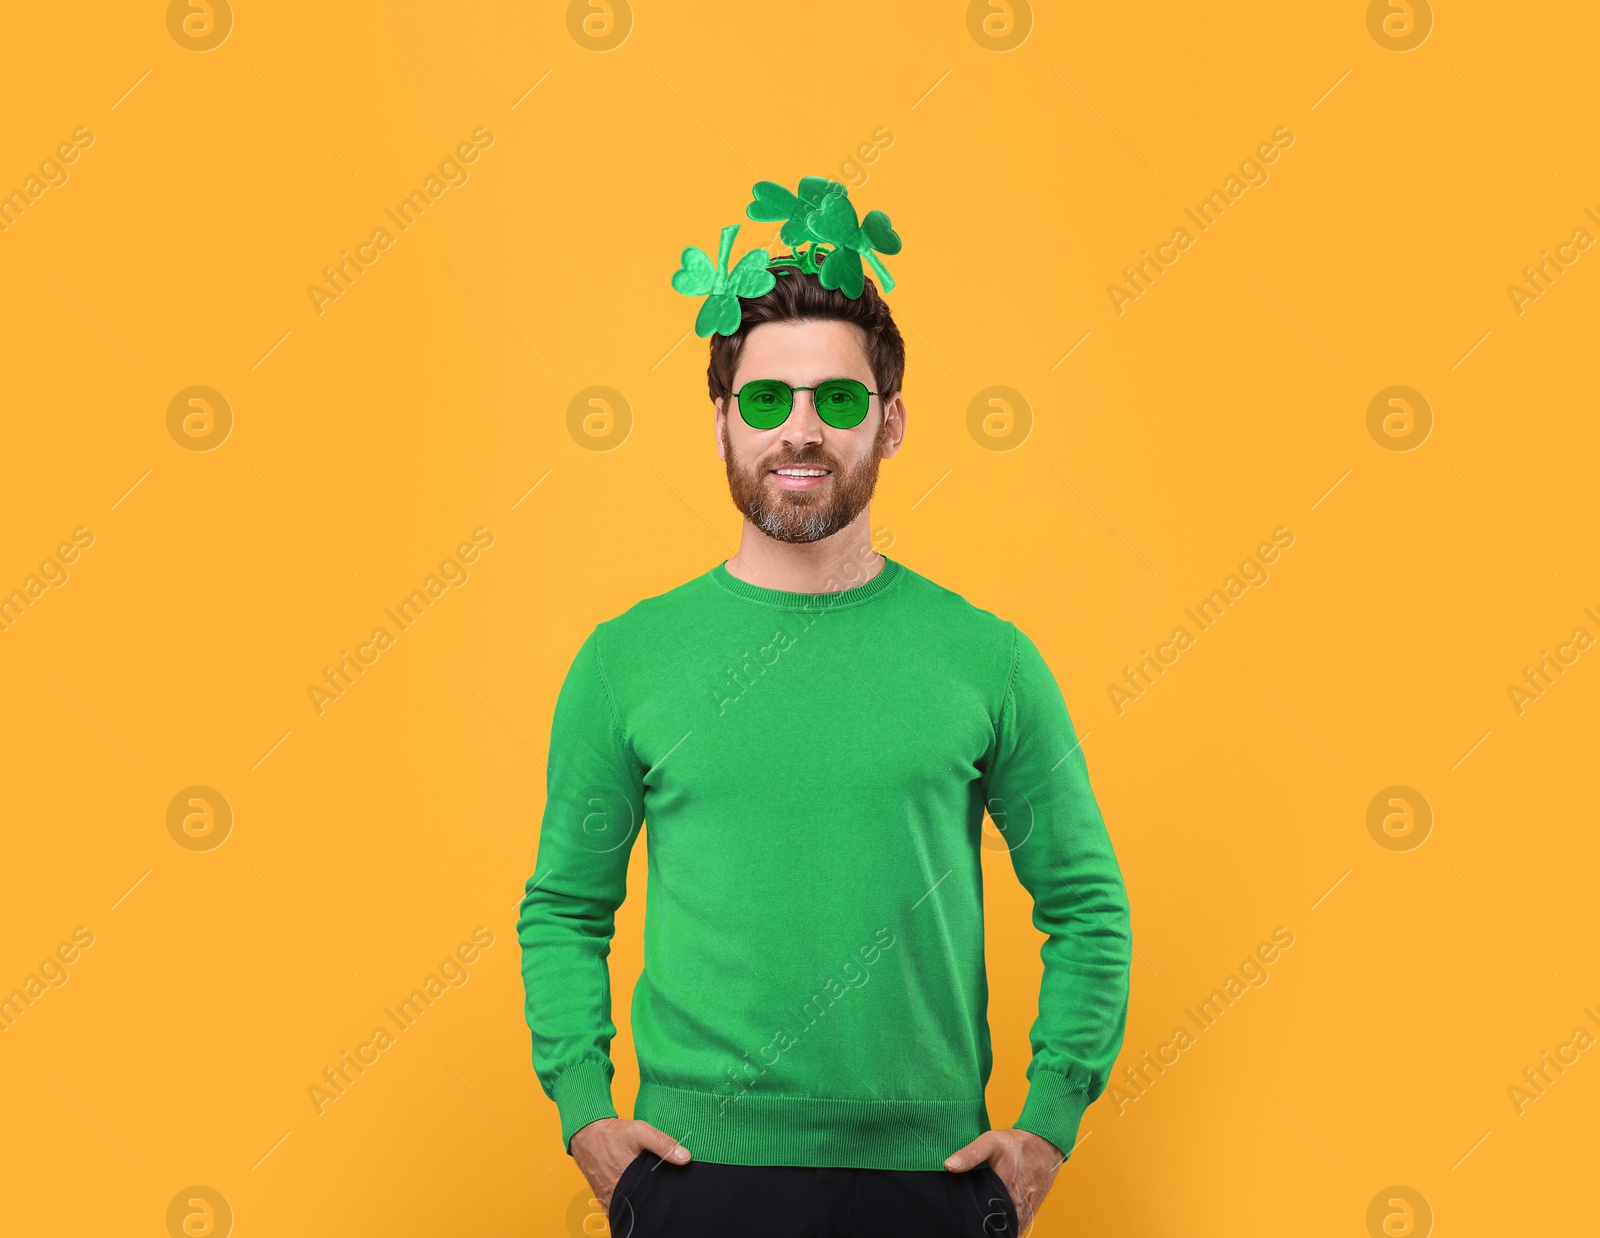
{"x":719,"y":413}
{"x":894,"y":412}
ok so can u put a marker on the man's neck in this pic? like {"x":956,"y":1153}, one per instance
{"x":835,"y":563}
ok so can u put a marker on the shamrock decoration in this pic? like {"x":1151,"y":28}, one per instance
{"x":825,"y":237}
{"x":696,"y":277}
{"x":835,"y":222}
{"x":772,"y":202}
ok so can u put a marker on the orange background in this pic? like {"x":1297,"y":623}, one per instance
{"x":1164,"y":443}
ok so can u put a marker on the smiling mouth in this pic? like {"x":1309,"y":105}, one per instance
{"x":800,"y":476}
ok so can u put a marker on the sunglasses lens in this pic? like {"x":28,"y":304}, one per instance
{"x":842,"y":402}
{"x":765,"y":402}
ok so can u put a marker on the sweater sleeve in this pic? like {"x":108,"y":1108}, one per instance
{"x":1037,"y":791}
{"x":594,"y":808}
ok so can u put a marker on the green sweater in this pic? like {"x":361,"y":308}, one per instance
{"x":814,"y":770}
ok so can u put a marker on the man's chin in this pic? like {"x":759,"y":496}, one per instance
{"x":796,"y":537}
{"x":798,"y":500}
{"x":796,"y":517}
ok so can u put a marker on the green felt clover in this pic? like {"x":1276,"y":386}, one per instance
{"x":772,"y":202}
{"x":825,"y":237}
{"x":835,"y":223}
{"x":697,"y":277}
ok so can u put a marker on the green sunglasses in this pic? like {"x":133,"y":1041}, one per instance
{"x":765,"y":403}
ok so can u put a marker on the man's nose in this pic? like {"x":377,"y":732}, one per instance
{"x":803,"y":422}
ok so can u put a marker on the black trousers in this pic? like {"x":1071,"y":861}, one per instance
{"x":657,"y":1199}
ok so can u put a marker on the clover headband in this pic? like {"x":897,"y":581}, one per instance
{"x":825,"y":237}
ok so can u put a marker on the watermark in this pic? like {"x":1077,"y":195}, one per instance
{"x":52,"y":973}
{"x":1551,"y":267}
{"x":748,"y":669}
{"x":609,"y":819}
{"x":351,"y":1065}
{"x":52,"y":175}
{"x":1140,"y":278}
{"x":599,"y":418}
{"x":586,"y":1218}
{"x":1002,"y":830}
{"x":340,"y":277}
{"x":1139,"y":1077}
{"x":1541,"y":677}
{"x":999,"y":419}
{"x":199,"y":419}
{"x":405,"y":614}
{"x":1399,"y":25}
{"x":1552,"y":1064}
{"x":742,"y":1075}
{"x":599,"y":25}
{"x":999,"y":25}
{"x":1399,"y":1212}
{"x":199,"y":818}
{"x":1399,"y":418}
{"x":199,"y":1212}
{"x":1399,"y":818}
{"x":1252,"y":574}
{"x":52,"y":574}
{"x":736,"y":682}
{"x":199,"y":25}
{"x":853,"y":171}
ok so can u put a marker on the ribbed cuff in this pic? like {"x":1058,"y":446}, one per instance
{"x":582,"y":1094}
{"x":1054,"y":1109}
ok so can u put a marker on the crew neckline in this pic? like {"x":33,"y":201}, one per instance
{"x":784,"y":599}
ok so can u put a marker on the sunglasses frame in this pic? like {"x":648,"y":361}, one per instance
{"x":820,"y":413}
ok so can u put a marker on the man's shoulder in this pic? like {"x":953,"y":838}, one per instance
{"x":660,"y":613}
{"x":954,"y":608}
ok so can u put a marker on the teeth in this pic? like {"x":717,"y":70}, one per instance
{"x":803,"y":472}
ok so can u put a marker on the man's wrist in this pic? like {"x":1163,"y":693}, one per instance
{"x":1048,"y":1145}
{"x":1054,"y":1110}
{"x":582,"y":1094}
{"x":586,"y":1126}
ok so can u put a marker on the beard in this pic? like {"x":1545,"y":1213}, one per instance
{"x":803,"y":515}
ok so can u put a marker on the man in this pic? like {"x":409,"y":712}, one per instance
{"x":813,"y":732}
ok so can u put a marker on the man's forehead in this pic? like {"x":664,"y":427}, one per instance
{"x":800,"y":351}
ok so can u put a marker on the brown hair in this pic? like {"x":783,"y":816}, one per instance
{"x":800,"y":297}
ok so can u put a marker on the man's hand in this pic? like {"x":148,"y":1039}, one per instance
{"x":1026,"y":1163}
{"x":606,"y":1146}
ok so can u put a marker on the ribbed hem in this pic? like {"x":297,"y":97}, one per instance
{"x":1054,"y":1109}
{"x":812,"y":1131}
{"x":782,"y":599}
{"x":582,"y":1094}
